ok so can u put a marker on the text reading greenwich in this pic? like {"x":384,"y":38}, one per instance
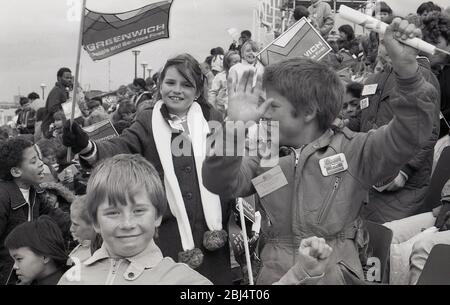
{"x":110,"y":41}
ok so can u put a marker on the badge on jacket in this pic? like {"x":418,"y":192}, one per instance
{"x":270,"y":181}
{"x":369,"y":90}
{"x":364,"y":103}
{"x":333,"y":165}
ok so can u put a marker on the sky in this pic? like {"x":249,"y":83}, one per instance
{"x":40,"y":36}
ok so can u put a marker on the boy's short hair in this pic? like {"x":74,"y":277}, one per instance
{"x":436,"y":24}
{"x":11,"y":155}
{"x":307,"y":85}
{"x":80,"y":205}
{"x":355,"y":89}
{"x":130,"y":173}
{"x":23,"y":100}
{"x":300,"y":12}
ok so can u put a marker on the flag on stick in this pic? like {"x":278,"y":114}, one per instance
{"x":301,"y":40}
{"x":105,"y":35}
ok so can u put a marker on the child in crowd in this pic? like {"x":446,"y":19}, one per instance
{"x":249,"y":52}
{"x":82,"y":230}
{"x":21,"y":200}
{"x":319,"y":188}
{"x":218,"y":96}
{"x":38,"y":250}
{"x":127,"y":216}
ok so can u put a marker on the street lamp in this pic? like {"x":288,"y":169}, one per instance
{"x":43,"y":90}
{"x":144,"y":65}
{"x":149,"y":70}
{"x":135,"y":53}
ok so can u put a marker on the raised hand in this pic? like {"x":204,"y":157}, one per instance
{"x":245,"y":101}
{"x":403,"y":57}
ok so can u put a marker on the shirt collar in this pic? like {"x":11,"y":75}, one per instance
{"x":148,"y":258}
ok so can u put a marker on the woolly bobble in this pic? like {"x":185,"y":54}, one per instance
{"x":193,"y":258}
{"x":213,"y":240}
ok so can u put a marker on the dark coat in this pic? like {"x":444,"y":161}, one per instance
{"x":14,"y":210}
{"x":57,"y":96}
{"x":138,"y":139}
{"x":392,"y":205}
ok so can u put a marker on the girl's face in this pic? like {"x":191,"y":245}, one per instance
{"x":79,"y":229}
{"x":127,"y":230}
{"x":177,"y":92}
{"x":235,"y":58}
{"x":343,"y":36}
{"x":28,"y":265}
{"x":249,"y":54}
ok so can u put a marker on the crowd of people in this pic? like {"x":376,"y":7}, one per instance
{"x":356,"y":141}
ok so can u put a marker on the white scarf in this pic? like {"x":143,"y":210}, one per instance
{"x":198,"y":129}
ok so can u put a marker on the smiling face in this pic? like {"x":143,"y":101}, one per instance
{"x":249,"y":55}
{"x":177,"y":92}
{"x":66,"y":79}
{"x":31,"y":170}
{"x":28,"y":265}
{"x":127,"y":229}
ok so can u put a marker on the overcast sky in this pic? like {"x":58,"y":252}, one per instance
{"x":39,"y":36}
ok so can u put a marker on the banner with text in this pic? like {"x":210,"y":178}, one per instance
{"x":301,"y":40}
{"x":103,"y":130}
{"x":105,"y":35}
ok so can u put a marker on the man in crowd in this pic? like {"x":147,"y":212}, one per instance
{"x":322,"y":16}
{"x":27,"y":117}
{"x":57,"y":96}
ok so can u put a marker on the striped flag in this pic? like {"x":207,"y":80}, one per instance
{"x":105,"y":35}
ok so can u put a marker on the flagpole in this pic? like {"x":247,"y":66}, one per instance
{"x":77,"y":72}
{"x":246,"y":248}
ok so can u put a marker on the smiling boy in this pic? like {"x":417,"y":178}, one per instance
{"x":21,"y":171}
{"x":318,"y":189}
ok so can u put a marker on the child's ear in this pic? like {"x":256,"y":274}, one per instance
{"x":96,"y":227}
{"x":311,"y":115}
{"x":158,"y":221}
{"x":46,"y":259}
{"x":16,"y":172}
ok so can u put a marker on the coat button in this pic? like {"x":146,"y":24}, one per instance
{"x":189,"y":196}
{"x":188,"y":169}
{"x":131,"y":275}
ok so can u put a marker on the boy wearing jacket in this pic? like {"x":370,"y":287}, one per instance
{"x":318,"y":189}
{"x":21,"y":199}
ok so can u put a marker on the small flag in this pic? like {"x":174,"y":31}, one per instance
{"x":301,"y":40}
{"x":105,"y":35}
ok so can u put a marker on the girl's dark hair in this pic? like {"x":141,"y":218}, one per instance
{"x":348,"y":30}
{"x":190,"y":69}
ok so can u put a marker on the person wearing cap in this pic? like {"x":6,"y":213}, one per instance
{"x":38,"y":250}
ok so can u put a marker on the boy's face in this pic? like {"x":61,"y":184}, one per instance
{"x":127,"y":230}
{"x":79,"y":229}
{"x":27,"y":264}
{"x":440,"y":58}
{"x":31,"y":170}
{"x":350,"y":107}
{"x":282,"y":111}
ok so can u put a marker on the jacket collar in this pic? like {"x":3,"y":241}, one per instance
{"x":16,"y":196}
{"x":147,"y":259}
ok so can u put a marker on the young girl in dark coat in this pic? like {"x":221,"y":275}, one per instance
{"x":172,"y":136}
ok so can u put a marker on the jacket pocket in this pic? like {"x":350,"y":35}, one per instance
{"x":330,"y":199}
